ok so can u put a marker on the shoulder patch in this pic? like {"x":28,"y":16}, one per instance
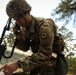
{"x":43,"y":35}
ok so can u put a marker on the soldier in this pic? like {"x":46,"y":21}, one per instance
{"x":34,"y":32}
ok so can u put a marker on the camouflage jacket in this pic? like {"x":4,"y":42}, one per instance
{"x":39,"y":37}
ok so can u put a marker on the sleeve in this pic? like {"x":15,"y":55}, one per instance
{"x":23,"y":45}
{"x":46,"y":36}
{"x":23,"y":42}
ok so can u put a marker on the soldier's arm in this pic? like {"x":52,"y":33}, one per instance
{"x":22,"y":44}
{"x":46,"y":36}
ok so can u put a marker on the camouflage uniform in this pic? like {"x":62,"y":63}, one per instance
{"x":39,"y":37}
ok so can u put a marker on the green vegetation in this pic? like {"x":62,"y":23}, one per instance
{"x":66,"y":10}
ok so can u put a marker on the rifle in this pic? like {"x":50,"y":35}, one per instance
{"x":3,"y":46}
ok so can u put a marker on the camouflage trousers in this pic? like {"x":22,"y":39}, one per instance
{"x":22,"y":73}
{"x":18,"y":73}
{"x":48,"y":68}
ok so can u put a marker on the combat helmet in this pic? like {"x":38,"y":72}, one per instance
{"x":17,"y":7}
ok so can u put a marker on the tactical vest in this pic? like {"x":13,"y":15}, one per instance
{"x":59,"y":44}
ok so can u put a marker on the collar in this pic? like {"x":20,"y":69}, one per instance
{"x":32,"y":28}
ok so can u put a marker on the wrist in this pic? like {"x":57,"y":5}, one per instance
{"x":19,"y":63}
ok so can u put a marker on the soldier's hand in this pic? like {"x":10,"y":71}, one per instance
{"x":17,"y":32}
{"x":9,"y":68}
